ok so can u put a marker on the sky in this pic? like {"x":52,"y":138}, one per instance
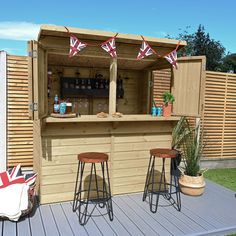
{"x":20,"y":20}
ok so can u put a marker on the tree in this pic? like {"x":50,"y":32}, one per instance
{"x":229,"y":63}
{"x":200,"y":43}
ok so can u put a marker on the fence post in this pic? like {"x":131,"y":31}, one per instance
{"x":3,"y":110}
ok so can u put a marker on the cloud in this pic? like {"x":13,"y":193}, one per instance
{"x":17,"y":30}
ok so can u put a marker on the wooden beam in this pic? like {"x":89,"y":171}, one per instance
{"x":3,"y":110}
{"x":60,"y":31}
{"x":112,"y":91}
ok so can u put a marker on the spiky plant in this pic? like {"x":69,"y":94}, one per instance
{"x":192,"y":151}
{"x":180,"y":131}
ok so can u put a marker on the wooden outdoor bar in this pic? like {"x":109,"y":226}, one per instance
{"x":94,"y":82}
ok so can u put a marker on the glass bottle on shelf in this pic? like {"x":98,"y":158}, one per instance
{"x":77,"y":83}
{"x":101,"y":86}
{"x":89,"y":84}
{"x":83,"y":84}
{"x":56,"y":105}
{"x":96,"y":84}
{"x":107,"y":84}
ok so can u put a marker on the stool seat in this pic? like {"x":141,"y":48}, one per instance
{"x":92,"y":157}
{"x":164,"y":153}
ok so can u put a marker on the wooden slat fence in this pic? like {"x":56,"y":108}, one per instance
{"x":219,"y":115}
{"x":19,"y":127}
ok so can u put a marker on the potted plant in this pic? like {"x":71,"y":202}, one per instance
{"x":180,"y":131}
{"x":191,"y":181}
{"x":168,"y":99}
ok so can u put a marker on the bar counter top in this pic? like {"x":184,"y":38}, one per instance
{"x":94,"y":118}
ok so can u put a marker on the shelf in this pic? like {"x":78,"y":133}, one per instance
{"x":125,"y":118}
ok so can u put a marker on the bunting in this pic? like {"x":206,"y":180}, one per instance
{"x":110,"y":47}
{"x":145,"y":50}
{"x":172,"y":57}
{"x":75,"y":45}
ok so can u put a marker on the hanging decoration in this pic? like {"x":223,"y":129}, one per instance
{"x":75,"y":44}
{"x":110,"y":47}
{"x":172,"y":57}
{"x":145,"y":50}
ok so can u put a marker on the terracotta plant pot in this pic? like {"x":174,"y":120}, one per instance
{"x":167,"y":110}
{"x":192,"y":185}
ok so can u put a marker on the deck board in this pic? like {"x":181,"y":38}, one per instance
{"x":63,"y":226}
{"x":158,"y":217}
{"x":73,"y":220}
{"x":136,"y":218}
{"x":36,"y":224}
{"x":118,"y":228}
{"x":214,"y":213}
{"x":155,"y":225}
{"x":48,"y":221}
{"x":23,"y":227}
{"x":9,"y":228}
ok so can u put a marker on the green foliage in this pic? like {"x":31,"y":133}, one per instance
{"x":180,"y":131}
{"x":225,"y":177}
{"x":200,"y":43}
{"x":229,"y":63}
{"x":168,"y":98}
{"x":192,"y":151}
{"x":188,"y":140}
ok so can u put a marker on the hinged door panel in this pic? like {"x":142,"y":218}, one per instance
{"x":37,"y":81}
{"x":187,"y":86}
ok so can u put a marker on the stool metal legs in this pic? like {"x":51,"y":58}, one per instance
{"x":155,"y":187}
{"x":103,"y":196}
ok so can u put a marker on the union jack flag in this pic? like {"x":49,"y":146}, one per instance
{"x":110,"y":47}
{"x":12,"y":177}
{"x":75,"y":45}
{"x":15,"y":176}
{"x":145,"y":50}
{"x":172,"y":59}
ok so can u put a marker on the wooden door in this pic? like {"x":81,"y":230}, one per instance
{"x":187,"y":86}
{"x":37,"y":80}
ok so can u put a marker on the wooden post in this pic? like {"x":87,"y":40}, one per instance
{"x":3,"y":111}
{"x":149,"y":91}
{"x":112,"y":91}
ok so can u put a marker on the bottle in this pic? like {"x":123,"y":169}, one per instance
{"x":89,"y":86}
{"x":56,"y":106}
{"x":77,"y":84}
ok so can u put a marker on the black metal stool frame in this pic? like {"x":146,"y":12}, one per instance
{"x":106,"y":199}
{"x":166,"y":193}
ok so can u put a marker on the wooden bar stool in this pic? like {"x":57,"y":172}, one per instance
{"x":163,"y":187}
{"x":95,"y":196}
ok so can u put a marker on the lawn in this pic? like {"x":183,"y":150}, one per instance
{"x":225,"y":177}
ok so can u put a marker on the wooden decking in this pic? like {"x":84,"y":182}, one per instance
{"x":214,"y":213}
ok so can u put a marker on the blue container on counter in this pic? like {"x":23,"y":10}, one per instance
{"x":154,"y":111}
{"x":158,"y":111}
{"x":62,"y":108}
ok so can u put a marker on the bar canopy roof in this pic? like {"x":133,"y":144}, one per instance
{"x":127,"y":48}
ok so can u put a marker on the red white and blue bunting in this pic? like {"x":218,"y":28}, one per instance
{"x":110,"y":47}
{"x":145,"y":50}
